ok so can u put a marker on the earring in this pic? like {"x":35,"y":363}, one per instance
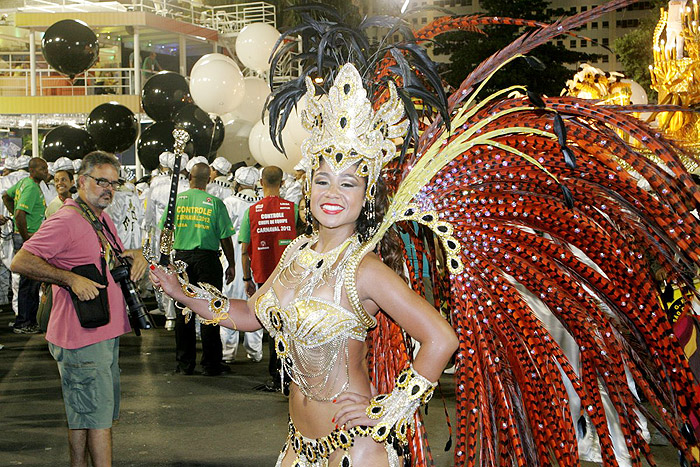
{"x":308,"y":217}
{"x":371,"y":216}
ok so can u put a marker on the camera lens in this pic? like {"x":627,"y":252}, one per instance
{"x":136,"y":309}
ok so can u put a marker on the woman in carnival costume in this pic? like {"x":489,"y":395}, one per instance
{"x":522,"y":193}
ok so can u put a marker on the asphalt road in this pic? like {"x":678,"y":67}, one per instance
{"x":166,"y":419}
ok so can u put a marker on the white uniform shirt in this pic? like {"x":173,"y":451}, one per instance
{"x":7,"y":248}
{"x":220,"y":187}
{"x":237,"y":205}
{"x":127,"y":212}
{"x":156,"y":203}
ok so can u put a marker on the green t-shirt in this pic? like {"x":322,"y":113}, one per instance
{"x":201,"y":221}
{"x":28,"y":198}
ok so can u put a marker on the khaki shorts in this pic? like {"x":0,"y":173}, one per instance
{"x":90,"y":383}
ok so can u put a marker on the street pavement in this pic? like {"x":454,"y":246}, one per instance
{"x":167,"y":419}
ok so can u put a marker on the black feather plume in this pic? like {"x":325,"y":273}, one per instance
{"x":535,"y":99}
{"x":569,"y":156}
{"x":568,"y":197}
{"x":560,"y":129}
{"x":327,"y":43}
{"x":535,"y":63}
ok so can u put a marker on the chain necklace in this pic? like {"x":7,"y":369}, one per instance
{"x":310,"y":269}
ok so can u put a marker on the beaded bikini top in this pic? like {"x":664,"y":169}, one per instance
{"x":311,"y":333}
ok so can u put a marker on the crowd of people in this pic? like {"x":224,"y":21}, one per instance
{"x":44,"y":242}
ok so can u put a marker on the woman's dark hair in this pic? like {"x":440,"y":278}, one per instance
{"x":390,"y":246}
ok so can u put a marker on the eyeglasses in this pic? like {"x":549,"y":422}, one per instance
{"x":104,"y":183}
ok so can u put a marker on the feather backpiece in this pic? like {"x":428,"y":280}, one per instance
{"x":540,"y":196}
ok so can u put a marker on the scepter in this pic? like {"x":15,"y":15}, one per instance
{"x":166,"y":235}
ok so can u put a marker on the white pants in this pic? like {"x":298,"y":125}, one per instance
{"x":252,"y":341}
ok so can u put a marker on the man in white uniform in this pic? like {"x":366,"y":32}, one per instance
{"x":219,"y":185}
{"x":237,"y":204}
{"x":156,"y":203}
{"x":127,"y":212}
{"x":17,"y":167}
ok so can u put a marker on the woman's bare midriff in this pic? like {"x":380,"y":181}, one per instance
{"x":313,"y":418}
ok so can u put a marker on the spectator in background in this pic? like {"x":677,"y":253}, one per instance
{"x":127,"y":212}
{"x":219,"y":185}
{"x":150,"y":67}
{"x":63,"y":181}
{"x":26,"y":201}
{"x":237,"y":205}
{"x":263,"y":243}
{"x":201,"y":225}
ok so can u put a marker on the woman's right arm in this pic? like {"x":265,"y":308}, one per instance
{"x":241,"y":313}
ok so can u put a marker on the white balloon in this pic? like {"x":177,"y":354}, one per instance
{"x":639,"y":95}
{"x":254,"y":45}
{"x":204,"y":59}
{"x":254,"y":141}
{"x":217,"y":86}
{"x":256,"y":92}
{"x":235,"y":145}
{"x":293,"y":135}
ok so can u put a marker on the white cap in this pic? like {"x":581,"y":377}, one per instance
{"x":221,"y":165}
{"x":301,"y":166}
{"x":196,"y":160}
{"x":22,"y":162}
{"x":11,"y":163}
{"x":76,"y":164}
{"x":163,"y":158}
{"x":62,"y":163}
{"x":167,"y":159}
{"x":247,"y":176}
{"x":51,"y":171}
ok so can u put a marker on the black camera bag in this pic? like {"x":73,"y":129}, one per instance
{"x":92,"y":313}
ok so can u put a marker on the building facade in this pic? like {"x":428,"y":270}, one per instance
{"x":605,"y":30}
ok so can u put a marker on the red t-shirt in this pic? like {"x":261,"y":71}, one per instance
{"x":270,"y":227}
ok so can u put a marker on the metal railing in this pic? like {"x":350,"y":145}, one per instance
{"x":230,"y":19}
{"x":227,"y":19}
{"x":16,"y":82}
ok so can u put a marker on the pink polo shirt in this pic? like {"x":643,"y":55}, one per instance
{"x":66,"y":240}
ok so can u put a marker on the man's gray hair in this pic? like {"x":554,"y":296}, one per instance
{"x":96,"y":158}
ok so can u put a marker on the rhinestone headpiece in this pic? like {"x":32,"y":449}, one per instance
{"x":345,"y":130}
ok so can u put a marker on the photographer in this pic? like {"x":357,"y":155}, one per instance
{"x":88,"y":315}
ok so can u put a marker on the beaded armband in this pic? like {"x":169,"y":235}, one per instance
{"x":351,"y":287}
{"x":396,"y":410}
{"x":218,"y":303}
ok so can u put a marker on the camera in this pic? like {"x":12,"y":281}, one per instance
{"x":136,"y":309}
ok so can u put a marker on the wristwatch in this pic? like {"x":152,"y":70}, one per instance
{"x":246,"y":279}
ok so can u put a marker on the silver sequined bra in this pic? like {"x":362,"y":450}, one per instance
{"x":311,"y":336}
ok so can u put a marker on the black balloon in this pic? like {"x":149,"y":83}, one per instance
{"x":112,"y":126}
{"x":205,"y":133}
{"x":164,"y":94}
{"x":67,"y":141}
{"x":155,"y":140}
{"x":70,"y":47}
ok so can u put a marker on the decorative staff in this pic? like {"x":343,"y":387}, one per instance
{"x":166,"y":236}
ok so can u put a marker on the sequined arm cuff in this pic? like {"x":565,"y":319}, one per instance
{"x":218,"y":303}
{"x":395,"y":410}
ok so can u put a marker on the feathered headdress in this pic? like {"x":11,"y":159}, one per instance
{"x":341,"y":61}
